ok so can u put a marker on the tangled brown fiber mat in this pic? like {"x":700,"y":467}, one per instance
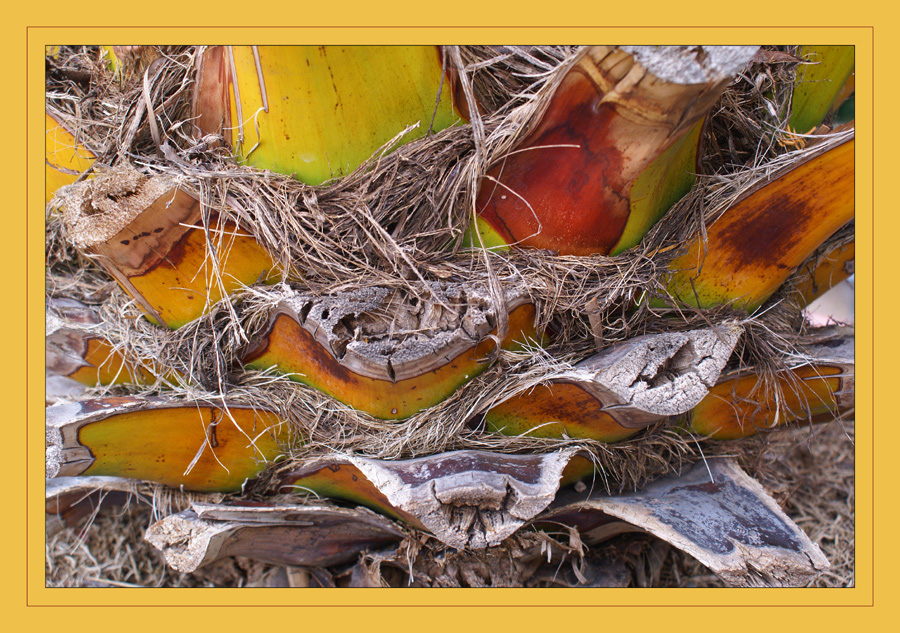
{"x":389,"y":224}
{"x":811,"y":474}
{"x":393,"y":223}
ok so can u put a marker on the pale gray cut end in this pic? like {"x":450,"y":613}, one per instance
{"x":469,"y":499}
{"x":660,"y":374}
{"x":186,"y":540}
{"x":389,"y":334}
{"x":53,"y":459}
{"x":692,"y":64}
{"x":96,"y":210}
{"x":722,"y":517}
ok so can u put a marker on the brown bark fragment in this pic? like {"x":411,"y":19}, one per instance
{"x":282,"y":535}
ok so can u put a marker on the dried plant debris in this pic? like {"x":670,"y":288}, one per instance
{"x":623,"y":388}
{"x":110,"y":551}
{"x":751,"y":120}
{"x":370,"y":373}
{"x":815,"y":483}
{"x":69,"y":500}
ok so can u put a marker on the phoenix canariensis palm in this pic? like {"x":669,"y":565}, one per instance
{"x":392,"y":315}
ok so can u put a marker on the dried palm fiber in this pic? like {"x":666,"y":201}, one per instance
{"x":357,"y":243}
{"x":398,"y":236}
{"x":809,"y":471}
{"x":750,"y":124}
{"x":203,"y":359}
{"x":393,"y":223}
{"x":330,"y":426}
{"x":563,"y":285}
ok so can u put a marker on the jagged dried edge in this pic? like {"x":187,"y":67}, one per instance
{"x":390,"y":245}
{"x":278,"y":210}
{"x":433,"y":564}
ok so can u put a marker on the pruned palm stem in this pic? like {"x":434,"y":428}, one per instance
{"x":478,"y":294}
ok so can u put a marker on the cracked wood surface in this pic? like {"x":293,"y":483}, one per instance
{"x":622,"y":389}
{"x":385,"y":352}
{"x":466,"y":499}
{"x":174,"y":257}
{"x":716,"y":513}
{"x":280,"y":535}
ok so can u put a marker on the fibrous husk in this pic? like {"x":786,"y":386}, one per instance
{"x":396,"y":223}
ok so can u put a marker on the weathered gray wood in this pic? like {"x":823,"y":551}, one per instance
{"x":469,"y":499}
{"x":687,"y":65}
{"x":716,"y":513}
{"x":386,"y":334}
{"x":646,"y":378}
